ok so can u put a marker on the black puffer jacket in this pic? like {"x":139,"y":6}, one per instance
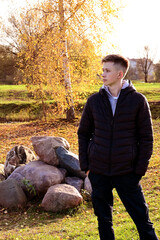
{"x":119,"y":144}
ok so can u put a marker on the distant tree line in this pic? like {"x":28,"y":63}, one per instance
{"x":8,"y":62}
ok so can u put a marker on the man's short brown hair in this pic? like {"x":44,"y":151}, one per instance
{"x":118,"y":60}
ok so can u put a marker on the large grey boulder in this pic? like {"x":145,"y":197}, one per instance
{"x":11,"y":194}
{"x":69,"y":161}
{"x":37,"y":176}
{"x":61,"y":197}
{"x":17,"y":156}
{"x":75,"y":182}
{"x":44,"y":146}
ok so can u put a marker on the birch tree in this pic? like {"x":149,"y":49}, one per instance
{"x":44,"y":35}
{"x":64,"y":55}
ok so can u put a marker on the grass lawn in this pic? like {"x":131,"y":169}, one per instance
{"x":16,"y":104}
{"x":14,"y":92}
{"x":4,"y":88}
{"x":80,"y":223}
{"x":32,"y":223}
{"x":150,"y":90}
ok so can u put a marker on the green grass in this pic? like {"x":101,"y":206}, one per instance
{"x":4,"y":88}
{"x":150,"y":90}
{"x":79,"y":223}
{"x":16,"y":104}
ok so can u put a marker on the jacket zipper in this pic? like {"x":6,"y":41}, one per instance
{"x":110,"y":147}
{"x":111,"y":140}
{"x":112,"y":121}
{"x":112,"y":126}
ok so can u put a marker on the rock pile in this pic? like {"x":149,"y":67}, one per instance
{"x":54,"y":175}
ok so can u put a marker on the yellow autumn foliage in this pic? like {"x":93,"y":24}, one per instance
{"x":60,"y":46}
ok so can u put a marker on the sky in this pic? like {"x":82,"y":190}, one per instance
{"x":137,"y":27}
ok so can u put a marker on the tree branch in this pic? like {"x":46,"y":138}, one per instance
{"x":77,"y":7}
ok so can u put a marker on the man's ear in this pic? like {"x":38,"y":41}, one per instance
{"x":120,"y":74}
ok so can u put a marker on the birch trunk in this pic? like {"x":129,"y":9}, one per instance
{"x":70,"y":114}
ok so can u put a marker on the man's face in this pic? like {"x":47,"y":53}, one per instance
{"x":111,"y":74}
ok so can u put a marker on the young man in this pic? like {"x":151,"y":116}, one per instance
{"x":115,"y":145}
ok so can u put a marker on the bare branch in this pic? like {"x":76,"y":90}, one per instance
{"x":146,"y":62}
{"x":41,"y":10}
{"x":77,"y":7}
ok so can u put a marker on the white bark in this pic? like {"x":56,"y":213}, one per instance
{"x":67,"y":81}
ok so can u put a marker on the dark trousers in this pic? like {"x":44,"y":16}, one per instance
{"x":131,"y":195}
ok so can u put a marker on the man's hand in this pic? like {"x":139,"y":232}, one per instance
{"x":87,"y":172}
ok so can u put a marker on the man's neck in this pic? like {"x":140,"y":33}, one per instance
{"x":115,"y":89}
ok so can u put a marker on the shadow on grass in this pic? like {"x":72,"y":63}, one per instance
{"x":33,"y":215}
